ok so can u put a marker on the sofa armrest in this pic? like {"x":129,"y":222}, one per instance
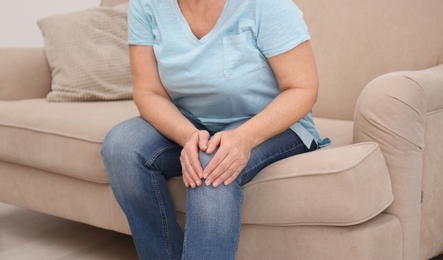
{"x":24,"y":73}
{"x":393,"y":110}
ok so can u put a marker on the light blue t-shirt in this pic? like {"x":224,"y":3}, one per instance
{"x":223,"y":77}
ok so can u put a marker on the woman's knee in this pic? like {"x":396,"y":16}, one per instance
{"x":204,"y":158}
{"x":116,"y":138}
{"x":124,"y":138}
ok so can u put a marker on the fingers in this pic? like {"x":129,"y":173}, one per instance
{"x":190,"y":177}
{"x":226,"y":172}
{"x":229,"y":160}
{"x":215,"y":167}
{"x":203,"y":137}
{"x":213,"y":143}
{"x":228,"y":177}
{"x":189,"y":159}
{"x":223,"y":168}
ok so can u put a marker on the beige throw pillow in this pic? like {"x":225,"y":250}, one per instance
{"x":88,"y":55}
{"x":123,"y":7}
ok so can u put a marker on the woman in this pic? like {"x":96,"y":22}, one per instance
{"x":224,"y":88}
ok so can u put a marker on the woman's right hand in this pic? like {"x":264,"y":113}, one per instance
{"x":190,"y":162}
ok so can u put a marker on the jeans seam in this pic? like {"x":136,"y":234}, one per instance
{"x":163,"y":215}
{"x":158,"y":152}
{"x":184,"y":242}
{"x":239,"y":231}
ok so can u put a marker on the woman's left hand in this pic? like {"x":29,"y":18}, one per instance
{"x":229,"y":160}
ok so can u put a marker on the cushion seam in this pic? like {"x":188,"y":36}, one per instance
{"x":60,"y":174}
{"x":50,"y":133}
{"x":316,"y":173}
{"x":339,"y":224}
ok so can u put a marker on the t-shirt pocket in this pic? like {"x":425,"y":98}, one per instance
{"x":241,"y":55}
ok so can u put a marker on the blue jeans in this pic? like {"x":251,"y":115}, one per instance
{"x":139,"y":160}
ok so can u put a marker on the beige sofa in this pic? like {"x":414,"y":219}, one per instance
{"x":375,"y":193}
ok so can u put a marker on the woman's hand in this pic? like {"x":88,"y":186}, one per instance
{"x":229,"y":160}
{"x":191,"y":167}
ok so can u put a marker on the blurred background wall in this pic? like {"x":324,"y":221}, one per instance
{"x":18,"y":19}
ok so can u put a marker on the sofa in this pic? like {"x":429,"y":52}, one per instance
{"x":375,"y":193}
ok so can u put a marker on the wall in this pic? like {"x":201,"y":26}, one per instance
{"x":18,"y":19}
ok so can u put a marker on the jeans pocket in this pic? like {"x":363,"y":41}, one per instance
{"x":241,"y":55}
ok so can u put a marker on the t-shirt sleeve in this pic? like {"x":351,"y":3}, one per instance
{"x":139,"y":25}
{"x":281,"y":27}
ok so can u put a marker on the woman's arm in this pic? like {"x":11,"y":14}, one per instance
{"x":155,"y":106}
{"x":296,"y":73}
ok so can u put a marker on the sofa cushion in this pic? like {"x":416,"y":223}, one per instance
{"x":339,"y":186}
{"x":334,"y":186}
{"x":88,"y":55}
{"x":63,"y":138}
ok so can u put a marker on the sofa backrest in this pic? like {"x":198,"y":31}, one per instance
{"x":356,"y":41}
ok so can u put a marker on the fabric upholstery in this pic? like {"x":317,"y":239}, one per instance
{"x":338,"y":192}
{"x":52,"y":127}
{"x":356,"y":41}
{"x":88,"y":55}
{"x":61,"y":196}
{"x":377,"y":239}
{"x":431,"y":237}
{"x":431,"y":83}
{"x":411,"y":98}
{"x":24,"y":73}
{"x":122,"y":7}
{"x":431,"y":216}
{"x":47,"y":136}
{"x":112,"y":2}
{"x":339,"y":131}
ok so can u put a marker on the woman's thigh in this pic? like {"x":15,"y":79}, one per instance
{"x":135,"y":140}
{"x":279,"y":147}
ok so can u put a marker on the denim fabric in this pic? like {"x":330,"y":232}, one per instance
{"x":139,"y":160}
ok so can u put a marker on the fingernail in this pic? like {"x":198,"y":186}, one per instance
{"x":207,"y":182}
{"x":215,"y":184}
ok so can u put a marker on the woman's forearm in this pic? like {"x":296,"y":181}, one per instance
{"x":161,"y":113}
{"x":285,"y":110}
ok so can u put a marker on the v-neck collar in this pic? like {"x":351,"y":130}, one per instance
{"x":187,"y":28}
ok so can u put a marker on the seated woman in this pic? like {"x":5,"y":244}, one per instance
{"x":224,"y":88}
